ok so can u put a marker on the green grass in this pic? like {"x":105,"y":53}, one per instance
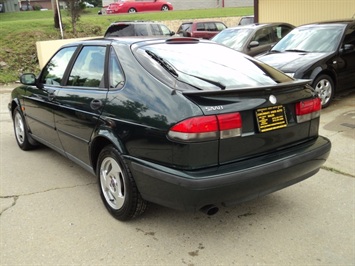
{"x":20,"y":31}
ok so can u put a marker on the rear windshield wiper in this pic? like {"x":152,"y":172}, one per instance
{"x":216,"y":83}
{"x":163,"y":63}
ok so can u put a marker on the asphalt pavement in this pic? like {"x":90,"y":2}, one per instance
{"x":51,"y":213}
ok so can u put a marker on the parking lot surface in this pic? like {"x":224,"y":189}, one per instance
{"x":51,"y":213}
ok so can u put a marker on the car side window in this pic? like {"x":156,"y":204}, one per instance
{"x":281,"y":31}
{"x":88,"y":69}
{"x":165,"y":30}
{"x":115,"y":72}
{"x":350,"y":36}
{"x":200,"y":26}
{"x":263,"y":36}
{"x":155,"y":29}
{"x":220,"y":26}
{"x":211,"y":26}
{"x":53,"y":72}
{"x":141,"y":30}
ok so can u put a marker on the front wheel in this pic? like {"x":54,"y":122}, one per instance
{"x":21,"y":131}
{"x":324,"y":86}
{"x":164,"y":8}
{"x":117,"y":187}
{"x":132,"y":10}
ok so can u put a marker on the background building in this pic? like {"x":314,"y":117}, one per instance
{"x":299,"y":12}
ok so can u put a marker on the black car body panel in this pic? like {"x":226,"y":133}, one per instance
{"x":229,"y":184}
{"x":144,"y":94}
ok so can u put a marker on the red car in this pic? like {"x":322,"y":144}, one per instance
{"x":138,"y":6}
{"x":201,"y":29}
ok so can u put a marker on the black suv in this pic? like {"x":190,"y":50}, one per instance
{"x":138,"y":28}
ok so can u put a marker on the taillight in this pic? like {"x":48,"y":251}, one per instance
{"x":230,"y":125}
{"x":203,"y":128}
{"x":308,"y":109}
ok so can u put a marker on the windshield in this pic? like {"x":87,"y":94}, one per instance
{"x":207,"y":66}
{"x":233,"y":38}
{"x":311,"y":39}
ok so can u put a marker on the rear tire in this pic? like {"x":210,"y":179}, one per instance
{"x":164,"y":8}
{"x":21,"y":131}
{"x":117,"y":187}
{"x":132,"y":10}
{"x":324,"y":86}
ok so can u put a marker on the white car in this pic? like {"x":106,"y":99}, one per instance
{"x":88,"y":5}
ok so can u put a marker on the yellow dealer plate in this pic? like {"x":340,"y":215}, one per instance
{"x":271,"y":118}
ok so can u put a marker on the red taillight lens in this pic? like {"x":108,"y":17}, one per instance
{"x":197,"y":125}
{"x":229,"y":125}
{"x":203,"y":128}
{"x":309,"y":109}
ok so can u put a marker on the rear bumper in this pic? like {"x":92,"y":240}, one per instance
{"x":232,"y":183}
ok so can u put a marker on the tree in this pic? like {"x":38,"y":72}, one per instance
{"x":75,"y":9}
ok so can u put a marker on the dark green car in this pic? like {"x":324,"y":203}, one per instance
{"x":181,"y":122}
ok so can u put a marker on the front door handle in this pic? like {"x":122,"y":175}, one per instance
{"x":95,"y":104}
{"x":51,"y":95}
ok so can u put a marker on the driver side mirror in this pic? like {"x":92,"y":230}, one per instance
{"x":253,"y":44}
{"x":28,"y":79}
{"x":347,"y":48}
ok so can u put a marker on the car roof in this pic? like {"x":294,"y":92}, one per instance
{"x":260,"y":25}
{"x":330,"y":22}
{"x":135,"y":22}
{"x":129,"y":40}
{"x":197,"y":21}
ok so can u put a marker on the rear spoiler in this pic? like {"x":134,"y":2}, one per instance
{"x":290,"y":85}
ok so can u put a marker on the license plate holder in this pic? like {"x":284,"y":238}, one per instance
{"x":271,"y":118}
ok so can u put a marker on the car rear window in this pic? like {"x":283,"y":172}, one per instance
{"x":120,"y":30}
{"x":207,"y":66}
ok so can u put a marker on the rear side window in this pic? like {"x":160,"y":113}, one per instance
{"x":88,"y":69}
{"x":210,"y":26}
{"x":115,"y":71}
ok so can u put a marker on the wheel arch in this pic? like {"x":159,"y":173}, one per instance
{"x":103,"y":138}
{"x":14,"y":103}
{"x":318,"y":71}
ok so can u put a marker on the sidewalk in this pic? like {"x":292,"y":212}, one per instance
{"x":8,"y":87}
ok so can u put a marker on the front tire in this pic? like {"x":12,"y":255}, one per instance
{"x":132,"y":10}
{"x":117,"y":186}
{"x":21,"y":131}
{"x":324,"y":86}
